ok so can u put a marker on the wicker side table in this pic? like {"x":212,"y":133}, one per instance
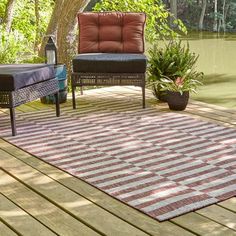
{"x":13,"y":98}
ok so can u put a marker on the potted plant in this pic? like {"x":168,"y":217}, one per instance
{"x":178,"y":90}
{"x":174,"y":60}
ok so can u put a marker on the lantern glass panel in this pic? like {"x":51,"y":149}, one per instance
{"x":51,"y":56}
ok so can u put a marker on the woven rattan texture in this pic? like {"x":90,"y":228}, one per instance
{"x":108,"y":79}
{"x":15,"y":98}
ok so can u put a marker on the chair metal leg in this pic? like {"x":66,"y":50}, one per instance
{"x":73,"y":97}
{"x":143,"y":92}
{"x":13,"y":121}
{"x":57,"y":104}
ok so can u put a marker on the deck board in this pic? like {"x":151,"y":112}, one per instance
{"x":220,"y":215}
{"x":15,"y":216}
{"x":5,"y":230}
{"x":121,"y":211}
{"x":71,"y":205}
{"x":229,"y":204}
{"x":40,"y":208}
{"x":79,"y":207}
{"x":202,"y":225}
{"x":25,"y":108}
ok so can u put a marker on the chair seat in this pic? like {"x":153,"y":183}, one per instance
{"x":13,"y":77}
{"x":110,"y":63}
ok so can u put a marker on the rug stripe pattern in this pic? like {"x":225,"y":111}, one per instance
{"x":163,"y":164}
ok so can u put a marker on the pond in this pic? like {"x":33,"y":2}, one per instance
{"x":217,"y":59}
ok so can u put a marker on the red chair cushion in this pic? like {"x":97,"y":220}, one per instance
{"x":111,"y":32}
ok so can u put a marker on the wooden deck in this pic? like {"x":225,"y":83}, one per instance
{"x":39,"y":199}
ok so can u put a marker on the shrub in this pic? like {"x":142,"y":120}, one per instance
{"x":171,"y":63}
{"x":11,"y":46}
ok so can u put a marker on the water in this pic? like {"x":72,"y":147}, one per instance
{"x":217,"y":59}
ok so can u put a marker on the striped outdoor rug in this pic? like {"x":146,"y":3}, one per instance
{"x":163,"y":164}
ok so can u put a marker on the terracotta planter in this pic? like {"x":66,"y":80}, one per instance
{"x":176,"y":101}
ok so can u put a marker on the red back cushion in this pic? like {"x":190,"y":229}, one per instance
{"x":111,"y":32}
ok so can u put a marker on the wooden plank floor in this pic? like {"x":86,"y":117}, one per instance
{"x":39,"y":199}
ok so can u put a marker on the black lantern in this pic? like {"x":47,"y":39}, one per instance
{"x":51,"y":51}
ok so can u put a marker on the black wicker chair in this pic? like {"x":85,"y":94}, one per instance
{"x":23,"y":83}
{"x":111,"y":47}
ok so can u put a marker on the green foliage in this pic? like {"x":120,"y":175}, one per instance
{"x":173,"y":60}
{"x":10,"y":46}
{"x":189,"y":82}
{"x":2,"y":9}
{"x":189,"y":12}
{"x":18,"y":45}
{"x":34,"y":59}
{"x":91,"y":5}
{"x":231,"y":17}
{"x":24,"y":19}
{"x":157,"y":16}
{"x":170,"y":65}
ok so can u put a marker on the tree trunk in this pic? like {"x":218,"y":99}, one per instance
{"x":37,"y":17}
{"x":226,"y":12}
{"x":215,"y":26}
{"x":223,"y":16}
{"x":66,"y":30}
{"x":9,"y":14}
{"x":91,"y":4}
{"x":173,"y":7}
{"x":62,"y":25}
{"x":204,"y":4}
{"x":173,"y":10}
{"x":53,"y":25}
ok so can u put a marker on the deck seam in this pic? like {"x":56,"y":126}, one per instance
{"x":68,"y":189}
{"x":233,"y":211}
{"x":215,"y":221}
{"x":187,"y":111}
{"x":213,"y":119}
{"x":51,"y":201}
{"x":191,"y":102}
{"x":189,"y":230}
{"x":218,"y":111}
{"x":9,"y":226}
{"x":24,"y":209}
